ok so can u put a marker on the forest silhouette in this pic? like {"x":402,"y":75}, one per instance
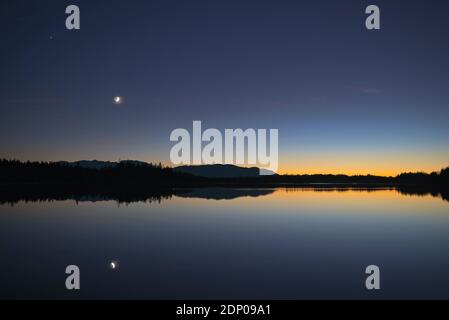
{"x":129,"y":181}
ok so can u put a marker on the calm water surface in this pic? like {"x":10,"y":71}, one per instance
{"x":206,"y":244}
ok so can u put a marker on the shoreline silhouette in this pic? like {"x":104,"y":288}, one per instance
{"x":137,"y":173}
{"x":130,"y":181}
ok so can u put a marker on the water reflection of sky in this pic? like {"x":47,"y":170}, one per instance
{"x":284,"y":244}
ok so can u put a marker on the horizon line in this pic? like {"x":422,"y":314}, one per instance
{"x":280,"y":172}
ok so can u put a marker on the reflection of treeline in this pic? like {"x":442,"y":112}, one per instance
{"x":12,"y":194}
{"x":131,"y":174}
{"x":441,"y":191}
{"x":47,"y":193}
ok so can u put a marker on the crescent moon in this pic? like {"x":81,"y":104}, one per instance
{"x":118,"y":100}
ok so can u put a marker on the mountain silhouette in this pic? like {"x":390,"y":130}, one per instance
{"x":89,"y":164}
{"x":219,"y":171}
{"x":95,"y":164}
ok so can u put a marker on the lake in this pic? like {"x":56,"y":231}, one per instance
{"x":229,"y":244}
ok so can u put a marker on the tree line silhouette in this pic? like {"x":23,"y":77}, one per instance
{"x":124,"y":173}
{"x":132,"y":174}
{"x":129,"y":181}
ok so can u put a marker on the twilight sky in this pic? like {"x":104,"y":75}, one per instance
{"x":345,"y":99}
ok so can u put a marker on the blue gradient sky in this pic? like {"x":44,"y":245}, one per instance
{"x":343,"y":98}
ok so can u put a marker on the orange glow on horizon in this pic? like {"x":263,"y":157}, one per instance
{"x":319,"y":162}
{"x":379,"y":163}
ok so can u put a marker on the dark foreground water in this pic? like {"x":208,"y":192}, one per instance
{"x":230,"y":244}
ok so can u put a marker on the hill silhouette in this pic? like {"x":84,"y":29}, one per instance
{"x":219,"y":171}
